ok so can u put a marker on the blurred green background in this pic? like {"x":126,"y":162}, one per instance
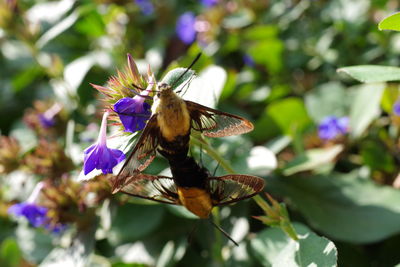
{"x":273,"y":62}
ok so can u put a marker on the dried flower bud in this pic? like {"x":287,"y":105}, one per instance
{"x":9,"y":154}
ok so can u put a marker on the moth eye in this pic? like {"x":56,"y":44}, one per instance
{"x":158,"y":94}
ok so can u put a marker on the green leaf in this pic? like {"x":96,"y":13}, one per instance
{"x":177,"y":77}
{"x":365,"y":108}
{"x":372,"y":73}
{"x":268,"y":53}
{"x":377,"y":157}
{"x":132,"y":222}
{"x":345,"y":207}
{"x":26,"y":77}
{"x":330,"y":99}
{"x":10,"y":255}
{"x":287,"y":117}
{"x":389,"y":97}
{"x":312,"y":159}
{"x":272,"y":247}
{"x":391,"y":22}
{"x":260,"y":32}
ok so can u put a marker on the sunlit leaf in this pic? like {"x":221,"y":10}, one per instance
{"x":171,"y":253}
{"x":312,"y":159}
{"x":365,"y":108}
{"x":391,"y":22}
{"x":239,"y":19}
{"x":207,"y":87}
{"x":372,"y":73}
{"x":57,"y":29}
{"x":273,"y":248}
{"x":178,"y":77}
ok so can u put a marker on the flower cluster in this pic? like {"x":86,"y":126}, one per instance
{"x":331,"y":127}
{"x":99,"y":156}
{"x":46,"y":119}
{"x":34,"y":213}
{"x":48,"y":159}
{"x":126,"y":98}
{"x":9,"y":154}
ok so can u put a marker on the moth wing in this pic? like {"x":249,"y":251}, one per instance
{"x":215,"y":123}
{"x":142,"y":154}
{"x":232,"y":188}
{"x":152,"y":187}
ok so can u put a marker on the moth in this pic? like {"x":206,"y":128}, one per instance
{"x":169,"y":127}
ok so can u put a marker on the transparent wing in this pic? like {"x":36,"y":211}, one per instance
{"x":214,"y":123}
{"x":232,"y":188}
{"x":152,"y":187}
{"x":142,"y":154}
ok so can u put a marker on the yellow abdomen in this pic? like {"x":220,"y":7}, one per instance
{"x":196,"y":200}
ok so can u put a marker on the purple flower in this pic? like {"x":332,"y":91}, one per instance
{"x":330,"y":127}
{"x":36,"y":215}
{"x":133,"y":112}
{"x":99,"y":156}
{"x":209,"y":3}
{"x":47,"y":118}
{"x":248,"y":60}
{"x":185,"y":27}
{"x":145,"y":6}
{"x":396,"y":108}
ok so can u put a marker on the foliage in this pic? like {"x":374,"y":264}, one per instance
{"x":284,"y":65}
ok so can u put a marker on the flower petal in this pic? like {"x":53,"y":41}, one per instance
{"x":102,"y":158}
{"x":36,"y":215}
{"x":185,"y":27}
{"x":133,"y":113}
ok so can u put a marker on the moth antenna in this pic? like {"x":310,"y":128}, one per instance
{"x":186,"y":86}
{"x":187,"y":69}
{"x":223,"y":231}
{"x":137,"y":87}
{"x":216,"y":168}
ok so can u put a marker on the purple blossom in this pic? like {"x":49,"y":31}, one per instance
{"x":99,"y":156}
{"x":396,"y":108}
{"x":47,"y":118}
{"x":248,"y":60}
{"x":331,"y":126}
{"x":46,"y":122}
{"x":145,"y":6}
{"x":133,"y":112}
{"x":185,"y":27}
{"x":36,"y":215}
{"x":209,"y":3}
